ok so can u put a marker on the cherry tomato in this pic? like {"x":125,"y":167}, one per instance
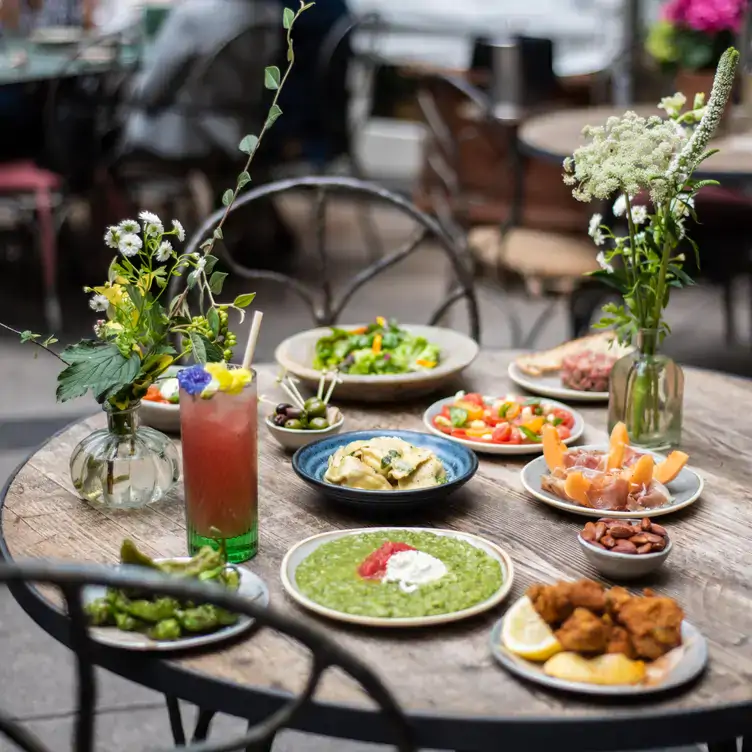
{"x":563,"y":431}
{"x":502,"y":432}
{"x":154,"y":395}
{"x":515,"y":437}
{"x":474,"y":397}
{"x":442,"y":428}
{"x":445,"y":411}
{"x":566,"y":417}
{"x":459,"y":433}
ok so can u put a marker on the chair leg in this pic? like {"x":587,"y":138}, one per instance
{"x":48,"y":247}
{"x":729,"y":318}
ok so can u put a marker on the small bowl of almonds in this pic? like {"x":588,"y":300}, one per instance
{"x":625,"y":549}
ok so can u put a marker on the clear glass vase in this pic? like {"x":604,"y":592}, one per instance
{"x":646,"y":393}
{"x":124,"y":466}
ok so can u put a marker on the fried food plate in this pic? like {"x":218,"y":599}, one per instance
{"x":685,"y":489}
{"x":676,"y":668}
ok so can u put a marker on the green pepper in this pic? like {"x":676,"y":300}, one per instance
{"x":458,"y":416}
{"x":200,"y":619}
{"x":152,"y":611}
{"x":503,"y":408}
{"x":225,"y":618}
{"x":230,"y":578}
{"x":100,"y":613}
{"x":127,"y":623}
{"x":167,"y":629}
{"x":530,"y":435}
{"x":211,"y":574}
{"x":129,"y":554}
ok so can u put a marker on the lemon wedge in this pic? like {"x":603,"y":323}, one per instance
{"x":524,"y":633}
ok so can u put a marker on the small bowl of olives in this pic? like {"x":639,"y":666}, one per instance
{"x":294,"y":427}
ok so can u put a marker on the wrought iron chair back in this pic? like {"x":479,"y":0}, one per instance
{"x":72,"y":579}
{"x":325,"y":306}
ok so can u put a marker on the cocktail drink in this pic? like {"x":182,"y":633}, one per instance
{"x":218,"y":421}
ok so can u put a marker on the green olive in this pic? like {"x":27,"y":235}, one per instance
{"x":315,"y":408}
{"x":294,"y":424}
{"x":318,"y":424}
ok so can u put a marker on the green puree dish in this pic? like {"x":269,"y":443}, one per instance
{"x":377,"y":349}
{"x":329,"y":576}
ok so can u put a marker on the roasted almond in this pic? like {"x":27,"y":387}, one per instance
{"x":658,"y":545}
{"x":646,"y":524}
{"x":621,"y":531}
{"x":658,"y":530}
{"x":653,"y":538}
{"x":600,"y":530}
{"x":640,"y":539}
{"x":608,"y":541}
{"x":588,"y":532}
{"x":645,"y":549}
{"x":624,"y":547}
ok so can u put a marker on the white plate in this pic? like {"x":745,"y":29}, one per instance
{"x":458,"y":351}
{"x":550,"y":385}
{"x":251,"y":587}
{"x":685,"y":489}
{"x":301,"y":551}
{"x":484,"y":448}
{"x":690,"y":663}
{"x":161,"y":415}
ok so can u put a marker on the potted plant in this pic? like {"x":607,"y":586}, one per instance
{"x":126,"y":465}
{"x":631,"y":157}
{"x":690,"y":38}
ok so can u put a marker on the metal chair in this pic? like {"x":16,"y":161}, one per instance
{"x":326,"y":653}
{"x":542,"y":251}
{"x":325,"y":307}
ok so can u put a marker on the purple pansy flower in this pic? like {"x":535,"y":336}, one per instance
{"x":194,"y":379}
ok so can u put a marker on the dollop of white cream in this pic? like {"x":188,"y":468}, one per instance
{"x":169,"y":389}
{"x":412,"y":569}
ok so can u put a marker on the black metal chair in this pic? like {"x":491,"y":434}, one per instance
{"x":325,"y":307}
{"x":326,"y":654}
{"x":549,"y":262}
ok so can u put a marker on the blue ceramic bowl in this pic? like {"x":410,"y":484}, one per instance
{"x":310,"y":463}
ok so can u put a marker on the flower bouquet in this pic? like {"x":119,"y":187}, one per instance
{"x":648,"y":164}
{"x":141,"y":334}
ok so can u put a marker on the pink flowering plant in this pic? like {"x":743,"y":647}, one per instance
{"x":693,"y":34}
{"x":134,"y":336}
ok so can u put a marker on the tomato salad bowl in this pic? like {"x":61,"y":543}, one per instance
{"x":501,"y":425}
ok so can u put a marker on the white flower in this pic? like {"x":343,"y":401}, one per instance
{"x":196,"y":254}
{"x":682,"y":205}
{"x":200,"y":264}
{"x":673,"y":105}
{"x":598,"y":237}
{"x":594,"y":226}
{"x":112,"y":237}
{"x":129,"y":226}
{"x":601,"y":259}
{"x":148,"y":217}
{"x":152,"y":229}
{"x":164,"y":251}
{"x":179,"y":231}
{"x":130,"y":245}
{"x":98,"y":303}
{"x":639,"y":215}
{"x":620,"y":205}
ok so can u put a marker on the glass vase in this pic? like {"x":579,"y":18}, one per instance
{"x":124,"y":466}
{"x":646,"y":393}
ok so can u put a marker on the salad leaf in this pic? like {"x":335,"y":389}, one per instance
{"x":530,"y":435}
{"x":458,"y":416}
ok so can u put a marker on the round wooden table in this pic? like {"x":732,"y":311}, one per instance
{"x":445,"y":679}
{"x":556,"y":135}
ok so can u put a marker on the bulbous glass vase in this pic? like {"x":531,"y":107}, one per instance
{"x":124,"y":466}
{"x":646,"y":393}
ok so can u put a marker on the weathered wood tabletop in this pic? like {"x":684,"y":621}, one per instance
{"x":446,"y":670}
{"x":556,"y":135}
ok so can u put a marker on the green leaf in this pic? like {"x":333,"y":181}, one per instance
{"x":248,"y":144}
{"x":530,"y":435}
{"x":288,"y":16}
{"x":218,"y":233}
{"x":681,"y":275}
{"x":210,"y":263}
{"x":204,"y":351}
{"x":212,"y":318}
{"x":274,"y":112}
{"x":272,"y":77}
{"x":50,"y":341}
{"x":243,"y":301}
{"x":192,"y":279}
{"x":216,"y":282}
{"x":28,"y":336}
{"x":609,"y":279}
{"x":458,"y":416}
{"x":135,"y":295}
{"x":243,"y":179}
{"x":98,"y":367}
{"x":207,"y":244}
{"x":227,"y":197}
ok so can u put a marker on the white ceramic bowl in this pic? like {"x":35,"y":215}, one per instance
{"x":294,"y":438}
{"x":618,"y":566}
{"x":160,"y":415}
{"x":458,"y":351}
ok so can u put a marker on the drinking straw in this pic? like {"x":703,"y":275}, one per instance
{"x":252,"y":339}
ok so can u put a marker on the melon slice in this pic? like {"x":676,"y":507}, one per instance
{"x":576,"y":488}
{"x":617,"y":443}
{"x":553,"y":449}
{"x":619,"y":435}
{"x":667,"y":470}
{"x":642,"y":472}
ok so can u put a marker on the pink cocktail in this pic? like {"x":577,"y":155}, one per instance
{"x":220,"y":470}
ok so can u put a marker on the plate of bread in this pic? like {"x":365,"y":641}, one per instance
{"x":575,"y":370}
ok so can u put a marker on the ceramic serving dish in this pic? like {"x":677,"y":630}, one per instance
{"x":292,"y":439}
{"x":549,"y":385}
{"x":618,"y":566}
{"x":311,"y":461}
{"x":161,"y":415}
{"x":458,"y":351}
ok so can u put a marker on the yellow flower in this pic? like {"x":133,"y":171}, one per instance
{"x":240,"y":378}
{"x":219,"y":372}
{"x":113,"y":293}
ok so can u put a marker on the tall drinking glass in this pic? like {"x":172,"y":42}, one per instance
{"x":220,"y":470}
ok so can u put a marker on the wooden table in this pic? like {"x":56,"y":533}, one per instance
{"x":556,"y":135}
{"x":445,"y":678}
